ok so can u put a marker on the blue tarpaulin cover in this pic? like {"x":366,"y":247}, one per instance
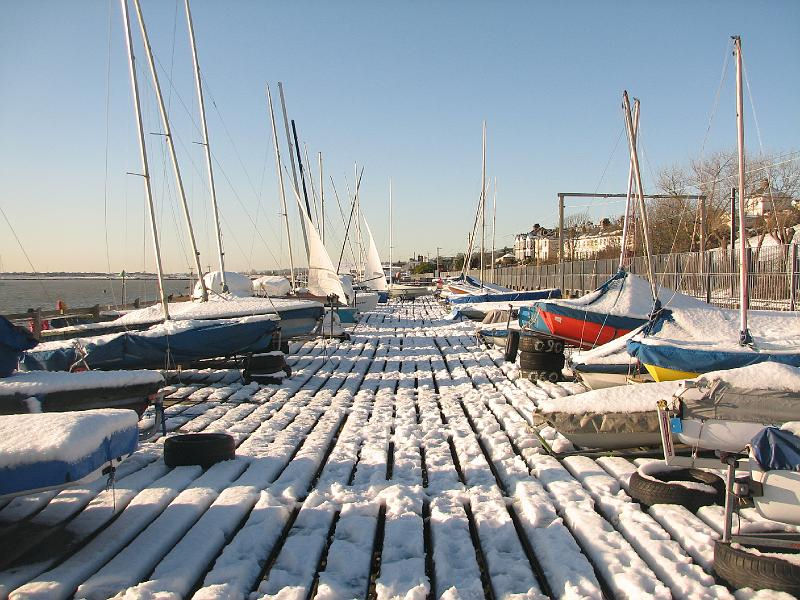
{"x":38,"y":473}
{"x":14,"y":341}
{"x":776,"y":450}
{"x":143,"y":349}
{"x":505,"y":296}
{"x":694,"y":359}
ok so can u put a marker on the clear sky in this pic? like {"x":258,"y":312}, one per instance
{"x":398,"y":87}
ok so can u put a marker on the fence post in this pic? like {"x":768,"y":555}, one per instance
{"x":707,"y":259}
{"x":793,"y":268}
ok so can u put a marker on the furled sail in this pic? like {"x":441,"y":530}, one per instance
{"x":374,"y":277}
{"x":323,"y":279}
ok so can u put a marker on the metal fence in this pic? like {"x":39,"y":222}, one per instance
{"x":713,"y":276}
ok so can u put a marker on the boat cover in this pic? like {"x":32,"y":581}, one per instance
{"x":705,"y":338}
{"x":495,"y":296}
{"x":776,"y":450}
{"x":724,"y":402}
{"x":14,"y":340}
{"x":168,"y":343}
{"x":41,"y":451}
{"x":467,"y":282}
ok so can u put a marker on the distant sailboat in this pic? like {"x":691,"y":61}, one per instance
{"x":374,"y":277}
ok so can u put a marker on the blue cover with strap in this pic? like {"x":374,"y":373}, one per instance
{"x":776,"y":450}
{"x":134,"y":350}
{"x":699,"y":360}
{"x":55,"y":473}
{"x":14,"y":340}
{"x":505,"y":296}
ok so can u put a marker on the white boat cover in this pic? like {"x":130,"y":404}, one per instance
{"x":272,"y":285}
{"x":238,"y":284}
{"x":374,"y":277}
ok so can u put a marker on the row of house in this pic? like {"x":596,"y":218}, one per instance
{"x":541,"y":244}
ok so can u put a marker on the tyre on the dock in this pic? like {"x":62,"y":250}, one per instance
{"x":204,"y":449}
{"x":541,"y":361}
{"x":541,"y":344}
{"x":691,"y":488}
{"x":512,"y":345}
{"x":740,"y":568}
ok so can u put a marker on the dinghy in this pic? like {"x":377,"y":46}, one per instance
{"x":684,"y":342}
{"x":607,"y":365}
{"x":160,"y":346}
{"x":54,"y":450}
{"x":616,"y":308}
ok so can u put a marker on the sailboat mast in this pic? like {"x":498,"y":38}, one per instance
{"x":143,"y":155}
{"x":494,"y":223}
{"x":640,"y":193}
{"x":171,"y":146}
{"x":744,"y":334}
{"x":390,"y":232}
{"x":291,"y":159}
{"x":627,"y":219}
{"x":278,"y":165}
{"x":483,"y":202}
{"x":321,"y":198}
{"x":207,"y":148}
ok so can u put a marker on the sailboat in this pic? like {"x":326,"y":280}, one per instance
{"x":374,"y":277}
{"x":167,"y":342}
{"x":682,"y":343}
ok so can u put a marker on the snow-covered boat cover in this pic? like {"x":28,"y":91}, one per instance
{"x":14,"y":341}
{"x":166,"y":343}
{"x":625,"y":301}
{"x":272,"y":285}
{"x":473,"y":285}
{"x":776,"y":450}
{"x":50,"y":449}
{"x":238,"y":284}
{"x":218,"y":307}
{"x":706,"y":338}
{"x":37,"y":383}
{"x":504,"y":297}
{"x":767,"y":393}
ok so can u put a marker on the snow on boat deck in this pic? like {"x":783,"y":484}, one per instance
{"x":400,"y":464}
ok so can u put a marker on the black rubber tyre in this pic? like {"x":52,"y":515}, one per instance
{"x":512,"y":344}
{"x":651,"y":492}
{"x":536,"y":343}
{"x":740,"y":568}
{"x":265,"y":363}
{"x":541,"y":361}
{"x":204,"y":449}
{"x":551,"y":376}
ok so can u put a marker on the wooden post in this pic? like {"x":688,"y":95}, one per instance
{"x":561,"y":239}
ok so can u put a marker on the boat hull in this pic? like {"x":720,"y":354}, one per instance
{"x":580,"y":330}
{"x":665,"y":374}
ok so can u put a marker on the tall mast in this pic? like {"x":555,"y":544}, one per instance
{"x":205,"y":144}
{"x":143,"y":155}
{"x":390,"y":232}
{"x":321,"y":198}
{"x":744,"y":334}
{"x":626,"y":221}
{"x":483,"y":200}
{"x":285,"y":213}
{"x":494,"y":223}
{"x":300,"y":166}
{"x":640,"y":193}
{"x":171,"y":145}
{"x":291,"y":158}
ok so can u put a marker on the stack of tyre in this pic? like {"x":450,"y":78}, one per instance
{"x":541,"y":357}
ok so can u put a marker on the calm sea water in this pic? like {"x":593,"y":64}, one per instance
{"x":17,"y":295}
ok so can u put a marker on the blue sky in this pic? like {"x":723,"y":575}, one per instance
{"x":400,"y":88}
